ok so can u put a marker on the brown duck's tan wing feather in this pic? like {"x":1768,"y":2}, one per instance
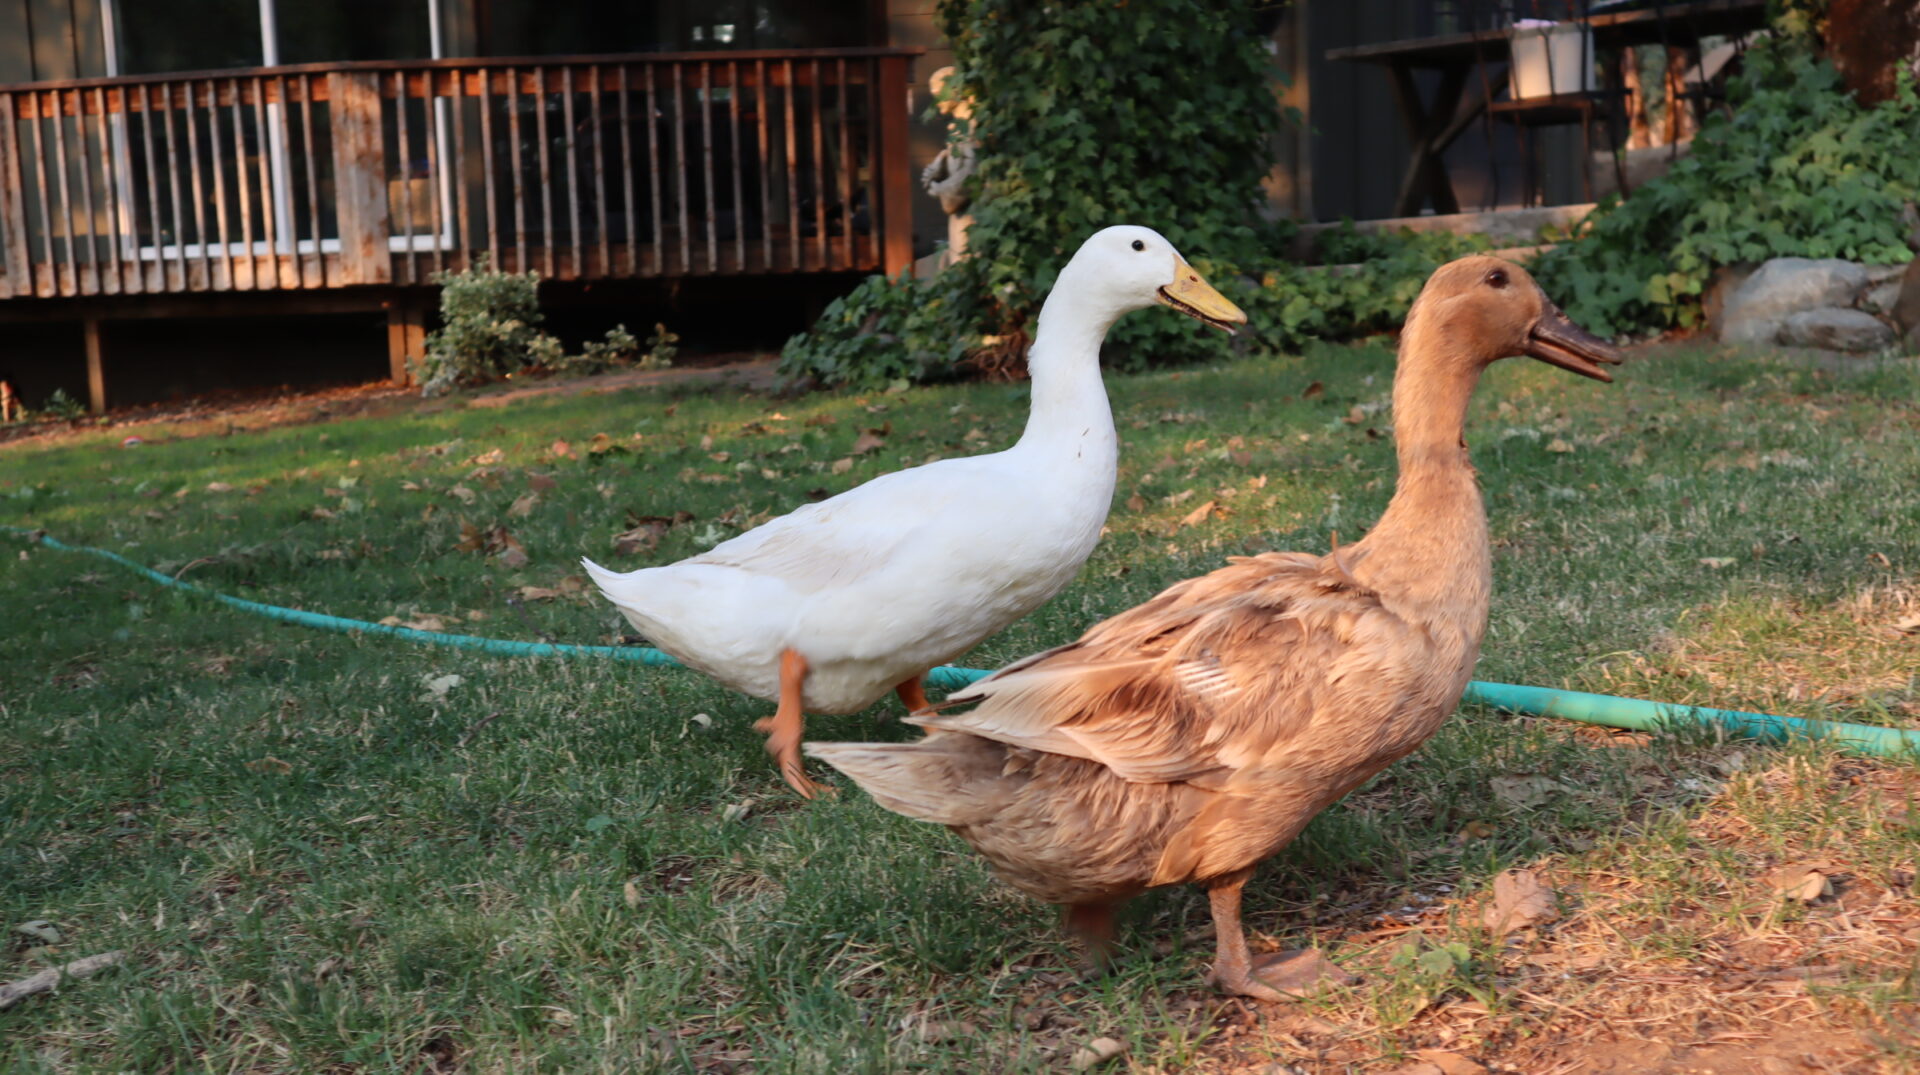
{"x":1201,"y":682}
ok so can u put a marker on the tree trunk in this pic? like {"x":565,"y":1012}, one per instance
{"x":1871,"y":40}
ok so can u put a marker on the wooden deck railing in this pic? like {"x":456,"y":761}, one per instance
{"x":337,"y":175}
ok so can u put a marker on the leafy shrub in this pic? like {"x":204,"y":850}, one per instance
{"x":489,"y":328}
{"x":61,"y":405}
{"x":620,"y":350}
{"x":1153,"y":112}
{"x":1800,"y":169}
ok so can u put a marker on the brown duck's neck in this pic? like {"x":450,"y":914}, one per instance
{"x":1430,"y":546}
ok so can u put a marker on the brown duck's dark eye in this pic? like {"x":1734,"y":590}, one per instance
{"x":1497,"y":278}
{"x":1139,"y":244}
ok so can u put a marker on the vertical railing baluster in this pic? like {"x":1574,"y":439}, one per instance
{"x":430,"y":122}
{"x":110,"y":193}
{"x":458,"y":257}
{"x":313,"y":181}
{"x":821,"y":184}
{"x":173,"y":185}
{"x":706,"y":153}
{"x":573,"y":167}
{"x":293,"y":215}
{"x":599,"y":171}
{"x":626,"y":178}
{"x":220,"y":200}
{"x":405,"y":148}
{"x":93,"y":273}
{"x":655,"y":177}
{"x":69,"y":283}
{"x":156,"y":280}
{"x":739,"y":199}
{"x":487,"y":167}
{"x":846,"y":163}
{"x":269,"y":222}
{"x":680,"y":166}
{"x":199,"y":186}
{"x":763,"y":165}
{"x":44,"y":192}
{"x":795,"y":244}
{"x":546,"y":169}
{"x":519,"y":184}
{"x":240,"y":185}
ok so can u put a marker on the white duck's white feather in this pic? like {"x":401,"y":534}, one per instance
{"x":914,"y":568}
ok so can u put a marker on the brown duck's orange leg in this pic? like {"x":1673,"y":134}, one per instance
{"x":911,"y":695}
{"x":784,"y":727}
{"x":1093,"y":922}
{"x":1276,"y":976}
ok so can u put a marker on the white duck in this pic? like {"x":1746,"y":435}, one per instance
{"x":829,"y":607}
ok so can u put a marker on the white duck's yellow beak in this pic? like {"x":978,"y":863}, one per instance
{"x":1197,"y":299}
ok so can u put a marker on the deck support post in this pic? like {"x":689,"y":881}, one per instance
{"x":406,"y":338}
{"x":96,"y":371}
{"x":896,"y":181}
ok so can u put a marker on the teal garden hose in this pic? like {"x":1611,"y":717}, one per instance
{"x":1602,"y":709}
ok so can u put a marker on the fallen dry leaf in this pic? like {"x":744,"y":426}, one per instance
{"x":463,"y":494}
{"x":1451,"y":1063}
{"x":841,"y":466}
{"x":523,"y":505}
{"x":1802,"y":881}
{"x":561,"y":450}
{"x":270,"y":764}
{"x":1201,"y":514}
{"x":487,"y":459}
{"x":867,"y":442}
{"x":537,"y":593}
{"x":1520,"y":900}
{"x":425,"y":621}
{"x":1525,"y":789}
{"x":644,"y":532}
{"x":1314,"y":391}
{"x":541,"y":483}
{"x":1559,"y":446}
{"x":1096,"y":1052}
{"x":1717,"y":562}
{"x":1136,"y":503}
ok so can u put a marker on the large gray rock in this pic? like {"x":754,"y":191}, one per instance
{"x":1782,"y":287}
{"x":1882,"y":290}
{"x":1835,"y":329}
{"x":1906,"y":308}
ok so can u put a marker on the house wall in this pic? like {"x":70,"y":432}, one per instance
{"x":50,"y":39}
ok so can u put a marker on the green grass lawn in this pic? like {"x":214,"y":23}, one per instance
{"x":317,"y":861}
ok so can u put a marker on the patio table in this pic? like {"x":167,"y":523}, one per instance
{"x":1435,"y":123}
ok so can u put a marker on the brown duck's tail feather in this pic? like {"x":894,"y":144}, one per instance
{"x":945,"y":779}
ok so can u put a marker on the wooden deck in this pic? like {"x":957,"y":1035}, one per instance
{"x":380,"y":175}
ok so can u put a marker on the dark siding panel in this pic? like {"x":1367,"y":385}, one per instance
{"x":16,"y":46}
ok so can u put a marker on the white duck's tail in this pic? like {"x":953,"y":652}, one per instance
{"x":946,"y":778}
{"x":616,"y":586}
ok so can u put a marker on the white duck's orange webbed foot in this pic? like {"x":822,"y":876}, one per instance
{"x":788,"y":722}
{"x":912,"y":695}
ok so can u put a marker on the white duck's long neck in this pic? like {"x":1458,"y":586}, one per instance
{"x":1070,"y":415}
{"x":1430,"y":547}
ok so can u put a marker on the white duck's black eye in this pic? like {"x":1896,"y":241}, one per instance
{"x":1497,"y":278}
{"x":1139,"y":244}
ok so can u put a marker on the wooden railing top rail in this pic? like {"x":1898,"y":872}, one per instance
{"x":466,"y":62}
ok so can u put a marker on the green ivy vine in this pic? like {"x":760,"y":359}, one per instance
{"x":1800,"y":169}
{"x":1154,"y":112}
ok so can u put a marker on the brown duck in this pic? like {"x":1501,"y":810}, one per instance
{"x":1188,"y":739}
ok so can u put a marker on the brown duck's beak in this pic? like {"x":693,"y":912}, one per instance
{"x":1197,"y":299}
{"x":1555,"y":339}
